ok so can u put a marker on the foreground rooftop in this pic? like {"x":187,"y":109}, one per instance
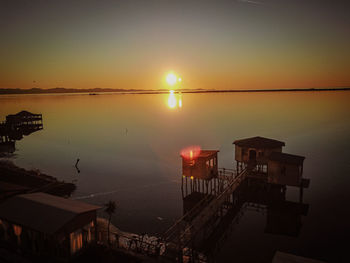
{"x":42,"y":212}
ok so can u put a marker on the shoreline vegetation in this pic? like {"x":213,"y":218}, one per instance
{"x":97,"y":91}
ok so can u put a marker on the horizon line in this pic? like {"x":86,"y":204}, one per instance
{"x":92,"y":91}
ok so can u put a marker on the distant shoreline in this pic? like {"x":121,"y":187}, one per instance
{"x":162,"y":91}
{"x":268,"y":90}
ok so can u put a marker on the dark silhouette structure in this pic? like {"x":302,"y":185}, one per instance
{"x":46,"y":225}
{"x":15,"y":127}
{"x":15,"y":180}
{"x":110,"y":208}
{"x":24,"y":120}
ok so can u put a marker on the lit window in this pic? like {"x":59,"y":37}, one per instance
{"x":17,"y":230}
{"x":76,"y":241}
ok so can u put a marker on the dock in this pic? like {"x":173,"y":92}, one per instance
{"x":181,"y":232}
{"x":213,"y":197}
{"x":15,"y":127}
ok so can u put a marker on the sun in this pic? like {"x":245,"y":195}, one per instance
{"x":171,"y":79}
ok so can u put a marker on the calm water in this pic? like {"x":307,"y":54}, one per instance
{"x":129,"y":147}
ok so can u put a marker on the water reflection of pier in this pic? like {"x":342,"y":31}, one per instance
{"x":214,"y":199}
{"x":283,"y":217}
{"x":16,"y":126}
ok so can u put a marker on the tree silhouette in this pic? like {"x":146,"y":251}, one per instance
{"x":110,"y":208}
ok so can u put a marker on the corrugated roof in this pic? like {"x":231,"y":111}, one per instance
{"x":286,"y":158}
{"x":259,"y":142}
{"x":42,"y":212}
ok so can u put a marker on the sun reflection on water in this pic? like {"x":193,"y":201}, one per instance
{"x":174,"y":100}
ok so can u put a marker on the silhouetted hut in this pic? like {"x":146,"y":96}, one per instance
{"x":285,"y":169}
{"x":203,"y":166}
{"x":47,"y":225}
{"x":24,"y":118}
{"x":255,"y":150}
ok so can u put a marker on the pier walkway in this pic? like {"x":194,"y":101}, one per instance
{"x":185,"y":229}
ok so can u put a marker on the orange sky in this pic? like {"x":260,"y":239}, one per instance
{"x":211,"y":45}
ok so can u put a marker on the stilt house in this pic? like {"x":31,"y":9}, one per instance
{"x":255,"y":151}
{"x":264,"y":157}
{"x":201,"y":166}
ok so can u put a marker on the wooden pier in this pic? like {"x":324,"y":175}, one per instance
{"x":212,"y":195}
{"x":15,"y":127}
{"x":181,"y":234}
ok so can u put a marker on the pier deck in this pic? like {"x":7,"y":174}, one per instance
{"x":185,"y":229}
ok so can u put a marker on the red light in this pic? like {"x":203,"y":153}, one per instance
{"x":191,"y":152}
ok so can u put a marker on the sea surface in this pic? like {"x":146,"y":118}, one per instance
{"x":129,"y":149}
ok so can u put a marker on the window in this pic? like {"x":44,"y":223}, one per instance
{"x":90,"y":230}
{"x":264,"y":168}
{"x":18,"y":231}
{"x":76,"y":241}
{"x":190,"y":162}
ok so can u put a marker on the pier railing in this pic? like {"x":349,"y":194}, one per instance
{"x":184,"y":230}
{"x":179,"y":224}
{"x":227,"y":174}
{"x":140,"y":244}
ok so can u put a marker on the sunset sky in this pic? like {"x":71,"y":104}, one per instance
{"x":237,"y":44}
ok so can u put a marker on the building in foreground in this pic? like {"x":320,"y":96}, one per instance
{"x":45,"y":225}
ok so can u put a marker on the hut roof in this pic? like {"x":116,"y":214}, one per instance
{"x":207,"y":153}
{"x":25,"y":113}
{"x":286,"y":158}
{"x":259,"y":142}
{"x":42,"y":212}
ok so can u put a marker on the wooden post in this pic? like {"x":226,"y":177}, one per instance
{"x":191,"y":185}
{"x":301,"y":193}
{"x":182,"y":186}
{"x":215,"y":186}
